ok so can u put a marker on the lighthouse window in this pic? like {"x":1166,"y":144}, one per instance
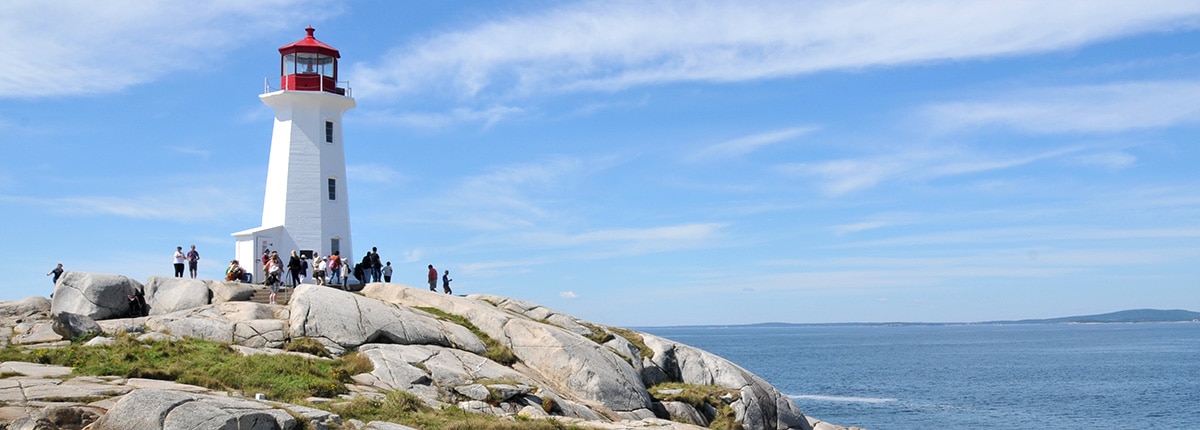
{"x":328,"y":131}
{"x":332,"y":189}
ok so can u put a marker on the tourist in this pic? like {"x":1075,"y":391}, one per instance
{"x":294,"y":267}
{"x":193,"y":258}
{"x":446,"y":282}
{"x":274,"y":275}
{"x":387,"y":272}
{"x":57,"y":271}
{"x":432,"y":278}
{"x":319,"y":270}
{"x":179,"y":259}
{"x":335,"y":268}
{"x":345,"y":276}
{"x":376,"y":266}
{"x":235,"y":272}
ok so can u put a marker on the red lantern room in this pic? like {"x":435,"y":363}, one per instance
{"x":309,"y":65}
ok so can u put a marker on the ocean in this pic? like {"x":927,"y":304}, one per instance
{"x":973,"y":376}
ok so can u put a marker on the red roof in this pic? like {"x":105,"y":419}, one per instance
{"x":310,"y":44}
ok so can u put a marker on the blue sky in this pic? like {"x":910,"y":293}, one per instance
{"x":640,"y":163}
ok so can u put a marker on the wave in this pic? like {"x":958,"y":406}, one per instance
{"x":841,"y":399}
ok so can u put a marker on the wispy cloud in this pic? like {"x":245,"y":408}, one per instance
{"x":182,"y":205}
{"x":568,"y":295}
{"x":837,"y":177}
{"x":747,"y":144}
{"x":1080,"y":109}
{"x":608,"y":46}
{"x":660,"y":237}
{"x":511,"y":196}
{"x":61,"y":48}
{"x":439,"y":120}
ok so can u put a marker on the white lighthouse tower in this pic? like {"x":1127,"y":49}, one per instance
{"x":306,"y":207}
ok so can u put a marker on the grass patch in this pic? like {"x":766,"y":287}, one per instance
{"x":598,"y":334}
{"x":306,"y":345}
{"x":700,"y":395}
{"x":495,"y":350}
{"x":204,"y":363}
{"x":9,"y":374}
{"x":405,"y":408}
{"x":636,"y":339}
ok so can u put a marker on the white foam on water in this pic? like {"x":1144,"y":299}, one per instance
{"x":842,"y":399}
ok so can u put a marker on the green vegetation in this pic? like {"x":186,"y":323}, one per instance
{"x":405,"y":408}
{"x":700,"y":395}
{"x":306,"y":345}
{"x":282,"y":377}
{"x":495,"y":350}
{"x":204,"y":363}
{"x":599,"y":335}
{"x":636,"y":339}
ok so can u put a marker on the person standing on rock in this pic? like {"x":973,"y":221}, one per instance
{"x":345,"y":276}
{"x":179,"y":260}
{"x":58,"y":271}
{"x":335,"y":268}
{"x":446,"y":282}
{"x":387,"y":272}
{"x":432,"y":278}
{"x":376,"y":266}
{"x":193,"y":258}
{"x":294,"y":268}
{"x":322,"y":264}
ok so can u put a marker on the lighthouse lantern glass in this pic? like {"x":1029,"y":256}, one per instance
{"x":303,"y":63}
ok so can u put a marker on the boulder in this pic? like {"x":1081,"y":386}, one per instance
{"x":70,"y":326}
{"x":223,"y":291}
{"x":565,"y":360}
{"x":343,"y":320}
{"x":64,"y":417}
{"x":34,"y":332}
{"x":682,"y":412}
{"x":26,"y":307}
{"x":416,"y":368}
{"x":97,"y":295}
{"x":245,"y":323}
{"x":759,"y":405}
{"x":164,"y":409}
{"x":165,"y":295}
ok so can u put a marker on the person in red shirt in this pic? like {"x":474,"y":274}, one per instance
{"x":432,"y":278}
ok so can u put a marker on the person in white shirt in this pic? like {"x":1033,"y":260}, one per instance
{"x":179,"y":260}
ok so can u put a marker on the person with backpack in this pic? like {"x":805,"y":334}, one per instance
{"x":376,"y":265}
{"x":335,"y":268}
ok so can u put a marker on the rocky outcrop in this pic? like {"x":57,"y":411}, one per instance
{"x":343,"y":320}
{"x":166,"y":295}
{"x":558,"y":357}
{"x":427,"y":344}
{"x":97,"y":295}
{"x":167,"y":409}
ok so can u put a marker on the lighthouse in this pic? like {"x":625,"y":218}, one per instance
{"x":306,"y":206}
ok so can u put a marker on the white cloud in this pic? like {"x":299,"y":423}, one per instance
{"x":837,"y":177}
{"x":568,"y":295}
{"x":439,"y":120}
{"x":1080,"y":109}
{"x":662,"y":237}
{"x":608,"y":46}
{"x":86,"y":47}
{"x":511,"y":196}
{"x":747,"y":144}
{"x":184,"y":205}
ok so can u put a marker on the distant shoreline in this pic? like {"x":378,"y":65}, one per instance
{"x":1132,"y":316}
